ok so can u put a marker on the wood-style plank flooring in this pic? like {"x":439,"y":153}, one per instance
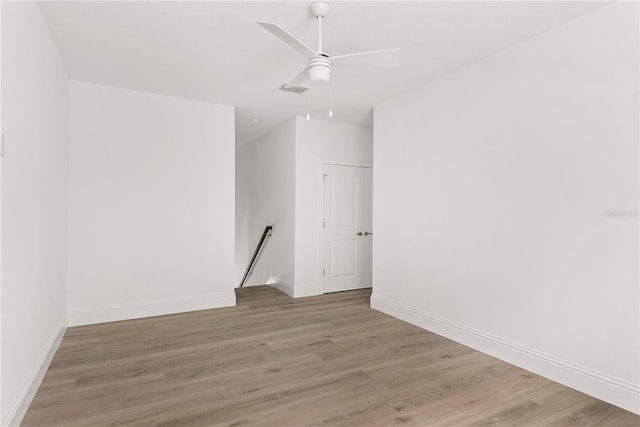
{"x":277,"y":361}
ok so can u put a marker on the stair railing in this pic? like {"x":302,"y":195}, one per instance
{"x":265,"y":234}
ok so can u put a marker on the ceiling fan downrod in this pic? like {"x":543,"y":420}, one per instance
{"x":319,"y":9}
{"x":320,"y":67}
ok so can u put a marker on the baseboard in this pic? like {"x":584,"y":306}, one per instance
{"x":295,"y":291}
{"x":305,"y":290}
{"x":91,"y":315}
{"x":597,"y":384}
{"x":19,"y":407}
{"x":280,"y":285}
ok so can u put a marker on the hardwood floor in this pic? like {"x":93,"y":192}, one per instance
{"x":277,"y":361}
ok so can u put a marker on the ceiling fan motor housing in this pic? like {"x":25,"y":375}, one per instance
{"x":319,"y":70}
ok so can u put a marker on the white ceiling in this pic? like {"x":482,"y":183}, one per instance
{"x":215,"y":51}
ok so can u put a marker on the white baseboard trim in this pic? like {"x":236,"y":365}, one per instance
{"x":617,"y":392}
{"x":274,"y":279}
{"x":110,"y":313}
{"x":305,"y":290}
{"x":19,"y":407}
{"x":280,"y":285}
{"x":295,"y":291}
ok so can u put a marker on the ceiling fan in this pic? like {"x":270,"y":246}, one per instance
{"x":318,"y":69}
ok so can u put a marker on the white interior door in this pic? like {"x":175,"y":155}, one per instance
{"x":347,"y":228}
{"x":367,"y":223}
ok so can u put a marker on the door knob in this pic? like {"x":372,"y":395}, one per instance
{"x":366,"y":233}
{"x":359,"y":233}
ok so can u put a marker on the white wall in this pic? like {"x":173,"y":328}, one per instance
{"x":269,"y":168}
{"x":34,"y":203}
{"x":242,"y":214}
{"x":151,"y":204}
{"x":319,"y":141}
{"x":492,"y":198}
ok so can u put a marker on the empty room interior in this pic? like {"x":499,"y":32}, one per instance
{"x":364,"y":213}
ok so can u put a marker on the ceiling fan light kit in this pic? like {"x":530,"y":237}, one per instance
{"x":318,"y":69}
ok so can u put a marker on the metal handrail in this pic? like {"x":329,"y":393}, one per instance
{"x":265,"y":234}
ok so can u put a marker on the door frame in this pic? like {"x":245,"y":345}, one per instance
{"x":320,"y":214}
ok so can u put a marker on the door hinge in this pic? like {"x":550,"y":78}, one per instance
{"x":323,"y":224}
{"x":324,"y":177}
{"x":323,"y":271}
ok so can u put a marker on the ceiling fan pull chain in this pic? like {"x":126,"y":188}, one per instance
{"x":330,"y":100}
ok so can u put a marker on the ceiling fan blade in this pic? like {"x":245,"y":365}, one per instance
{"x":302,"y":77}
{"x":302,"y":48}
{"x":378,"y":58}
